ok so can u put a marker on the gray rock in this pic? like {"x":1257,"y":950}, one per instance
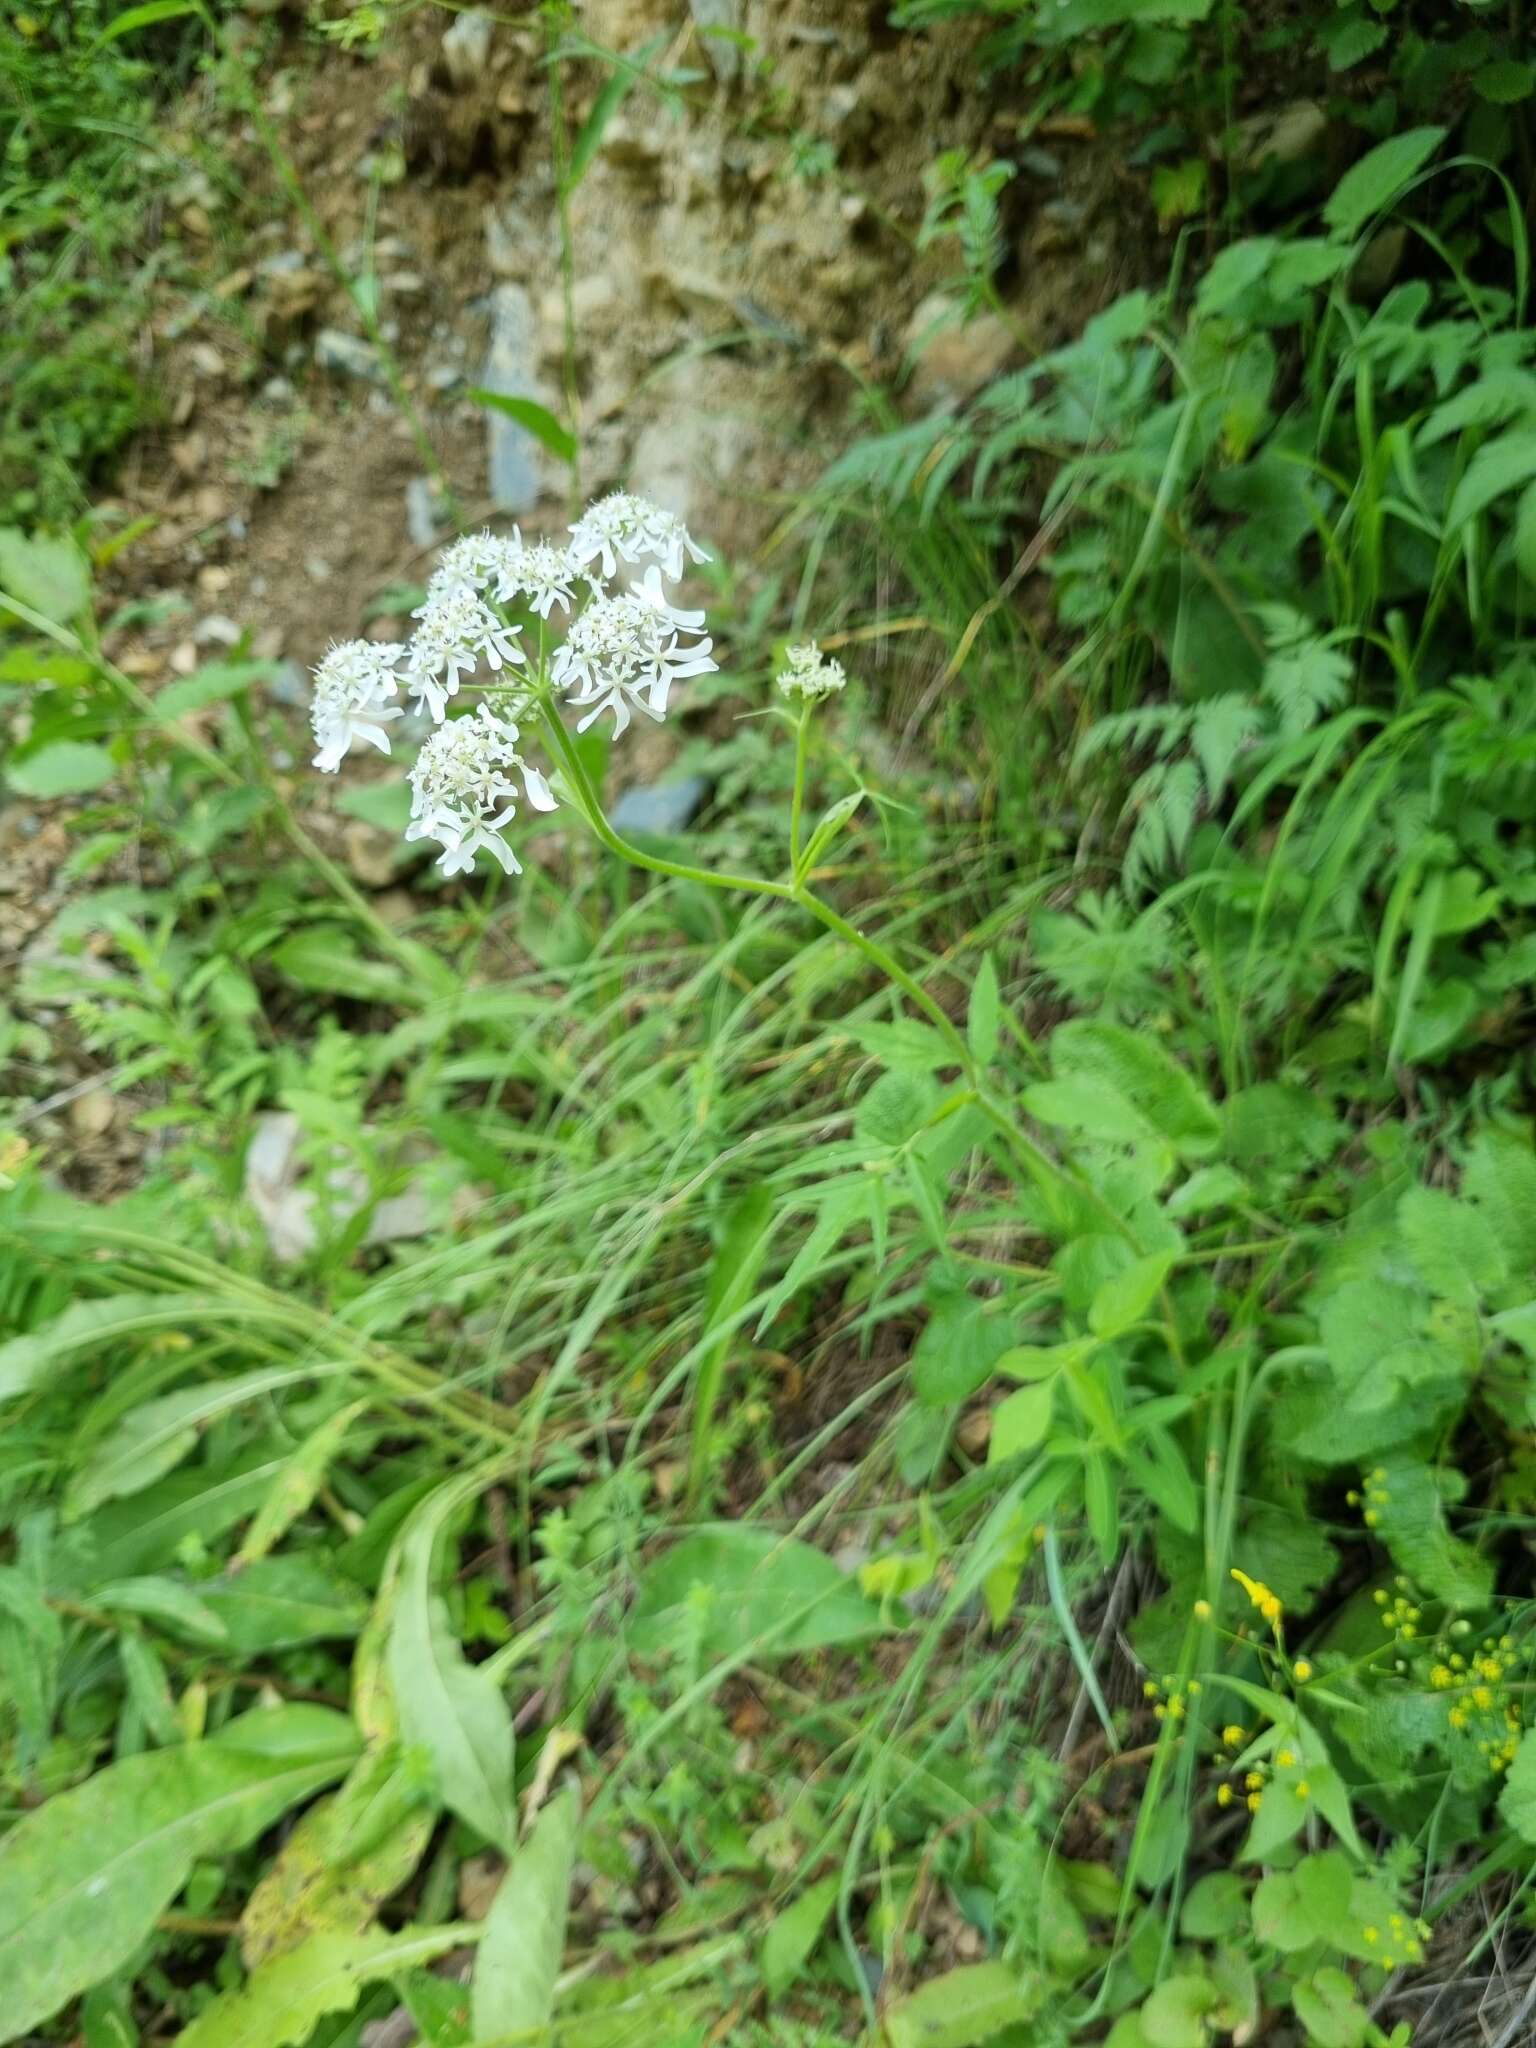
{"x":421,"y":512}
{"x":347,"y":355}
{"x":443,"y":377}
{"x":724,"y":52}
{"x":289,"y":685}
{"x":663,"y":808}
{"x":509,"y":370}
{"x":467,"y":47}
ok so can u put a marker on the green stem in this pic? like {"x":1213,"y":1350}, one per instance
{"x":797,"y":801}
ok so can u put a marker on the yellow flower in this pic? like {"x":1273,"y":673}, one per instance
{"x":1303,"y":1789}
{"x":1233,"y":1736}
{"x":1441,"y":1676}
{"x":1254,"y":1780}
{"x":1255,"y":1801}
{"x":1301,"y":1671}
{"x":1372,"y":1934}
{"x":1203,"y":1610}
{"x":1285,"y":1758}
{"x":1223,"y":1795}
{"x":1263,"y":1599}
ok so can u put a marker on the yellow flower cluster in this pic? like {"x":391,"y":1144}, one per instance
{"x":1264,"y":1600}
{"x":1484,"y":1700}
{"x":1171,"y":1700}
{"x":1404,"y":1944}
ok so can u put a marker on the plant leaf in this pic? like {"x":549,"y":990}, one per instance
{"x":48,"y":572}
{"x":1374,"y":182}
{"x":447,"y":1708}
{"x":534,"y":418}
{"x":278,"y":2008}
{"x":524,"y":1938}
{"x":963,"y":2008}
{"x":737,"y":1587}
{"x":83,"y":1878}
{"x":63,"y":768}
{"x":793,"y":1934}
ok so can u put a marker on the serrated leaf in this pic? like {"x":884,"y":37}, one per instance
{"x":894,"y":1109}
{"x":450,"y":1710}
{"x":524,"y":1937}
{"x":282,"y":2003}
{"x":62,"y":768}
{"x":1376,"y":180}
{"x":83,"y":1879}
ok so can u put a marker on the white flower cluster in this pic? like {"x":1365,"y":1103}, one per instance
{"x":809,"y":674}
{"x":622,"y":651}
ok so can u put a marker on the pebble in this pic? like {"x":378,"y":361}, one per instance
{"x":662,"y":807}
{"x":467,"y":47}
{"x":346,"y":354}
{"x":92,"y":1113}
{"x":421,"y":511}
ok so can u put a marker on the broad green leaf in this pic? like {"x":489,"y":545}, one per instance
{"x":793,"y":1935}
{"x":1125,"y":1298}
{"x":63,"y":768}
{"x":533,"y":418}
{"x":958,"y":1351}
{"x":84,"y":1877}
{"x":1506,"y":463}
{"x":895,"y":1109}
{"x":1021,"y":1422}
{"x":964,"y":2008}
{"x":1333,"y":2016}
{"x":1174,"y":2015}
{"x":1374,"y":182}
{"x":282,"y":2003}
{"x":156,"y":1436}
{"x":348,"y":1854}
{"x":1292,"y":1909}
{"x":1217,"y":1905}
{"x":297,"y":1483}
{"x":149,"y":1687}
{"x":278,"y":1602}
{"x":1504,"y":81}
{"x":740,"y":1589}
{"x":163,"y":1601}
{"x":984,"y":1019}
{"x":48,"y":572}
{"x":448,"y":1708}
{"x":524,"y":1936}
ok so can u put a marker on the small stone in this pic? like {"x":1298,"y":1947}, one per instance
{"x":467,"y":47}
{"x":1288,"y":136}
{"x":268,"y":644}
{"x":216,"y":631}
{"x":346,"y":354}
{"x":509,"y":371}
{"x":210,"y":503}
{"x":724,"y":50}
{"x":421,"y":521}
{"x":214,"y":578}
{"x":631,"y":145}
{"x":190,"y":454}
{"x":278,"y":391}
{"x":443,"y":377}
{"x":205,"y":359}
{"x":662,"y":808}
{"x":288,"y":685}
{"x":184,"y":657}
{"x":405,"y":284}
{"x":955,"y":361}
{"x":318,"y":569}
{"x":92,"y":1113}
